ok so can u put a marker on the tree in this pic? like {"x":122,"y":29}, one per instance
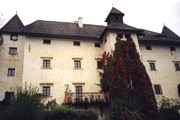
{"x":126,"y":79}
{"x":27,"y":103}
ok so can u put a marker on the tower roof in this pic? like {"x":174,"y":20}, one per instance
{"x":168,"y":32}
{"x":114,"y":11}
{"x":13,"y":25}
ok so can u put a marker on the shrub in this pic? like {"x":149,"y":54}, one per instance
{"x":87,"y":115}
{"x":26,"y":104}
{"x":169,"y":109}
{"x":120,"y":110}
{"x":61,"y":112}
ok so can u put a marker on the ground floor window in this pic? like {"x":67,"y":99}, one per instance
{"x":79,"y":96}
{"x":46,"y":90}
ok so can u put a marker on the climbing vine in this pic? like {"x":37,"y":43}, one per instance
{"x":125,"y":77}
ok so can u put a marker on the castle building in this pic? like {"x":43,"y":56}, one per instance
{"x":60,"y":57}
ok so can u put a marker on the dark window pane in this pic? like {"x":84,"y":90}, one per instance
{"x":76,"y":43}
{"x":12,"y":51}
{"x":11,"y":72}
{"x":172,"y":48}
{"x":77,"y":64}
{"x":46,"y":64}
{"x":177,"y":66}
{"x":46,"y":41}
{"x":158,"y":89}
{"x":148,"y":47}
{"x":97,"y":44}
{"x":152,"y":66}
{"x":46,"y":90}
{"x":99,"y":64}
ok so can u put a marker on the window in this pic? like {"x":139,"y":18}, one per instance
{"x":97,"y":44}
{"x":46,"y":64}
{"x":172,"y":48}
{"x":47,"y":41}
{"x":158,"y":89}
{"x":46,"y":90}
{"x":13,"y":51}
{"x":152,"y":66}
{"x":99,"y":64}
{"x":177,"y":66}
{"x":11,"y":72}
{"x":79,"y":96}
{"x":14,"y":37}
{"x":76,"y":43}
{"x":77,"y":64}
{"x":148,"y":47}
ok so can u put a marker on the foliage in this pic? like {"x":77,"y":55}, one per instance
{"x":121,"y":110}
{"x":87,"y":115}
{"x":125,"y":77}
{"x":26,"y":104}
{"x":169,"y":109}
{"x":61,"y":112}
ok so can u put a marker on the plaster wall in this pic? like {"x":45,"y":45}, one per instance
{"x":10,"y":61}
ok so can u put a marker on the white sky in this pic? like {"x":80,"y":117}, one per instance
{"x":146,"y":14}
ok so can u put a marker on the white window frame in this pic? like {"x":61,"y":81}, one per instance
{"x":77,"y":63}
{"x":158,"y":89}
{"x":45,"y":91}
{"x":43,"y":59}
{"x":11,"y":72}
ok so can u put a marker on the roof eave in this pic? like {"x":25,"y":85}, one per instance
{"x":60,"y":36}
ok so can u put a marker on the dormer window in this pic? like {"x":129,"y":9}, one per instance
{"x":14,"y":37}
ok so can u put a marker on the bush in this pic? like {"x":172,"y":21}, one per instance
{"x":60,"y":112}
{"x":169,"y":109}
{"x":26,"y":104}
{"x":120,"y":110}
{"x":87,"y":115}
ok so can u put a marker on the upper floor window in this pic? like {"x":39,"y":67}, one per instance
{"x":148,"y":47}
{"x":177,"y":66}
{"x":99,"y":64}
{"x":13,"y":51}
{"x":47,"y":41}
{"x":14,"y":37}
{"x":46,"y":64}
{"x":152,"y":66}
{"x":172,"y":48}
{"x":77,"y":64}
{"x":11,"y":72}
{"x":76,"y":43}
{"x":97,"y":44}
{"x":46,"y":90}
{"x":158,"y":89}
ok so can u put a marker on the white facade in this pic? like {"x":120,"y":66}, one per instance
{"x":53,"y":63}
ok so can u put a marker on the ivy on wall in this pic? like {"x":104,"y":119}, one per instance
{"x":125,"y":77}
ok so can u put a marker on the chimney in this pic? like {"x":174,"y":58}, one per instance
{"x":80,"y":22}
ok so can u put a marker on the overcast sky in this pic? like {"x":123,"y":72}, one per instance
{"x":145,"y":14}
